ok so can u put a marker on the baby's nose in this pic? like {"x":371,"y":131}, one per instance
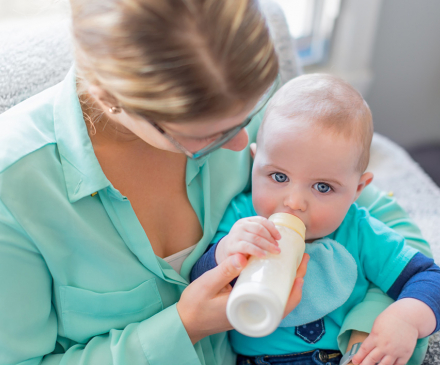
{"x":296,"y":202}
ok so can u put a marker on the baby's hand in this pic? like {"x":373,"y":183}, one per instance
{"x":250,"y":236}
{"x":391,"y":341}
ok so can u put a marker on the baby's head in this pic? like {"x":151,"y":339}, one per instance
{"x":312,"y":151}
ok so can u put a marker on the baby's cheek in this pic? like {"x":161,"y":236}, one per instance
{"x":322,"y":223}
{"x":264,"y":204}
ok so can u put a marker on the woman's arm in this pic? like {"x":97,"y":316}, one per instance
{"x":359,"y":320}
{"x":29,"y":328}
{"x":29,"y":322}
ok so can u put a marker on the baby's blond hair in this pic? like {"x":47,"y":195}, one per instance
{"x":326,"y":102}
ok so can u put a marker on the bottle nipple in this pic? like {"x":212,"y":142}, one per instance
{"x":289,"y":221}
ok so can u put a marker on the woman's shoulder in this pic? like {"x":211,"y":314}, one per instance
{"x":30,"y":167}
{"x":27,"y":128}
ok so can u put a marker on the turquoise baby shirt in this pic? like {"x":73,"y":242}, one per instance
{"x":380,"y":255}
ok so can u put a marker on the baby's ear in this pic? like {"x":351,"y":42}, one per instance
{"x":364,"y":181}
{"x":253,"y":148}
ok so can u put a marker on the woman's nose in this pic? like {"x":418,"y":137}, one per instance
{"x":296,"y":202}
{"x":239,"y":142}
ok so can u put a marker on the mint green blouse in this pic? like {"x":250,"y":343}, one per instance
{"x":79,"y":281}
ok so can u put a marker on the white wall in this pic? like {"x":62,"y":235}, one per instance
{"x":405,"y":91}
{"x":30,"y":10}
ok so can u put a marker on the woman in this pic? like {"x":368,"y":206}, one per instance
{"x":109,"y":175}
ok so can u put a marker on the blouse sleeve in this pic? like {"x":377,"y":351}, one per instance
{"x":28,"y":320}
{"x":361,"y":318}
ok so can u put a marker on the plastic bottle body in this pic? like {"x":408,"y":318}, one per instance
{"x":256,"y":304}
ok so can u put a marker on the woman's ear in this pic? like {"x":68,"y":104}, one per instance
{"x":364,"y":181}
{"x":253,"y":148}
{"x":104,"y":99}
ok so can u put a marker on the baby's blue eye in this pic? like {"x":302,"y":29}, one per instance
{"x":322,"y":187}
{"x":279,"y":177}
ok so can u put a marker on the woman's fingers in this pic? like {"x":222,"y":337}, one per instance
{"x":296,"y":292}
{"x":294,"y":297}
{"x":215,"y":280}
{"x":302,"y":268}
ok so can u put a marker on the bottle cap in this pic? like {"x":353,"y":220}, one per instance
{"x":289,"y":221}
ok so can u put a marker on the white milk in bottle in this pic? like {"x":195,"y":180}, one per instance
{"x":256,"y":304}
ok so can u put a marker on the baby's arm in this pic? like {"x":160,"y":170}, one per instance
{"x":414,"y":315}
{"x":385,"y":208}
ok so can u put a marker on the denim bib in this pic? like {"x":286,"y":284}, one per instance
{"x":329,"y":282}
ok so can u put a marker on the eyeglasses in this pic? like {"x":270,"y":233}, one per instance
{"x":226,"y":135}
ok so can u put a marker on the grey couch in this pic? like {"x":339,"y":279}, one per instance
{"x":38,"y":56}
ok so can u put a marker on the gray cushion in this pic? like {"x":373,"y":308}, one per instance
{"x":33,"y":57}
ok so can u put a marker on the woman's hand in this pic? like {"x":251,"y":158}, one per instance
{"x":202,"y":306}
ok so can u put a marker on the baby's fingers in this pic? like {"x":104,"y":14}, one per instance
{"x":261,"y":241}
{"x":391,"y":360}
{"x":374,"y":357}
{"x":248,"y":247}
{"x":259,"y":234}
{"x":365,"y":349}
{"x":267,"y":224}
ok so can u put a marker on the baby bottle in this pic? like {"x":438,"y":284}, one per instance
{"x":256,"y":304}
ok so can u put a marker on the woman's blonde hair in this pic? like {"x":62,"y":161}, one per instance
{"x":173,"y":60}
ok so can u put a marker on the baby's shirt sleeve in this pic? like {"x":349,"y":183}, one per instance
{"x":240,"y":207}
{"x":398,"y":269}
{"x":420,"y":280}
{"x":383,"y":254}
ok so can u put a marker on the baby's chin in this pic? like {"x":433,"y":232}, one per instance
{"x":313,"y":236}
{"x":311,"y":240}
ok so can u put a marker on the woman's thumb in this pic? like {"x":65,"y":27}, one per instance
{"x":224,"y":273}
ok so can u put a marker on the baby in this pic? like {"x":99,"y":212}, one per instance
{"x":310,"y":160}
